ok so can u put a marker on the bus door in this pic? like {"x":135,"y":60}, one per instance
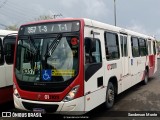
{"x":124,"y":52}
{"x":126,"y":83}
{"x":94,"y":71}
{"x":2,"y":67}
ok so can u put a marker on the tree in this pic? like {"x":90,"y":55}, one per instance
{"x":158,"y":42}
{"x":43,"y":17}
{"x":12,"y":27}
{"x":47,"y":17}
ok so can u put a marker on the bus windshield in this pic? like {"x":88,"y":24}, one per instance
{"x":46,"y":58}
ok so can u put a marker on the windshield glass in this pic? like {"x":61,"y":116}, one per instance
{"x":47,"y":59}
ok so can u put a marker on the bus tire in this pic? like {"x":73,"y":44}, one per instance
{"x":146,"y":77}
{"x":110,"y":96}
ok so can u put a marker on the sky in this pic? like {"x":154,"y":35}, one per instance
{"x":139,"y":15}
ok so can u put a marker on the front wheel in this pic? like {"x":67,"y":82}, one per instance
{"x":110,"y":96}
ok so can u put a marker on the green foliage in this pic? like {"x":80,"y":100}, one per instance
{"x":158,"y":42}
{"x":43,"y":17}
{"x":12,"y":27}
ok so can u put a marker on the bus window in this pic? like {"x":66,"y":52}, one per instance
{"x":149,"y":45}
{"x":143,"y":47}
{"x":135,"y":47}
{"x":1,"y":53}
{"x":93,"y":58}
{"x":111,"y":46}
{"x":124,"y":49}
{"x":9,"y":44}
{"x":154,"y":48}
{"x":92,"y":55}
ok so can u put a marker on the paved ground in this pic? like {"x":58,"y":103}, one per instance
{"x":138,"y":98}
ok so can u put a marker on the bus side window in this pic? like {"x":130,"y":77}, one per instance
{"x":1,"y":53}
{"x":143,"y":47}
{"x":111,"y":46}
{"x":92,"y":51}
{"x":96,"y":54}
{"x":154,"y":48}
{"x":149,"y":48}
{"x":93,"y":57}
{"x":135,"y":47}
{"x":9,"y":52}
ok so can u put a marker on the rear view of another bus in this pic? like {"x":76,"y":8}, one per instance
{"x":7,"y":44}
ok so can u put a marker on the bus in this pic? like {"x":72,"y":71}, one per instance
{"x":7,"y":44}
{"x":70,"y":66}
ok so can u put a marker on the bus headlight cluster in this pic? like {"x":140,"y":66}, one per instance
{"x":71,"y":95}
{"x":15,"y":91}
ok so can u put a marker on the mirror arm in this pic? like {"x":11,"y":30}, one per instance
{"x":92,"y":32}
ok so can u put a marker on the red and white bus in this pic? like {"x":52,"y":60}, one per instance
{"x":68,"y":65}
{"x":7,"y":44}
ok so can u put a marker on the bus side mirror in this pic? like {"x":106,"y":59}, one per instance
{"x":90,"y":45}
{"x":93,"y":45}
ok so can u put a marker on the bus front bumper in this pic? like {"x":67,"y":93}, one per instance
{"x":73,"y":107}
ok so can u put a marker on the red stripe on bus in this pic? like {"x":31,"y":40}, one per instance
{"x":151,"y":64}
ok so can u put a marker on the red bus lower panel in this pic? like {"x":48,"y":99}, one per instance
{"x":6,"y":94}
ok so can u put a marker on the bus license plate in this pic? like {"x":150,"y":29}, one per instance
{"x":39,"y":110}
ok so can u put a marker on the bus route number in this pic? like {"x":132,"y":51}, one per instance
{"x":32,"y":29}
{"x":54,"y":97}
{"x":28,"y":71}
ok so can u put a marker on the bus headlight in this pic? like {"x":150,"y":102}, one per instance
{"x":15,"y":91}
{"x":71,"y":95}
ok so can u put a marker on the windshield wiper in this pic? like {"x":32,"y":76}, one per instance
{"x":53,"y":45}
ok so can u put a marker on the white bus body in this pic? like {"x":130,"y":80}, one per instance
{"x":122,"y":71}
{"x":6,"y":65}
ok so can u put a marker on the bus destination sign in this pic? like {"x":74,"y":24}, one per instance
{"x":51,"y":27}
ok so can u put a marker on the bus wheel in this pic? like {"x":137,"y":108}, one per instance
{"x":145,"y":81}
{"x":110,"y":95}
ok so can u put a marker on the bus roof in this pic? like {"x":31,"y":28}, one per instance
{"x":100,"y":25}
{"x":6,"y":32}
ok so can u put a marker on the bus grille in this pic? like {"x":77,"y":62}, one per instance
{"x":47,"y":108}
